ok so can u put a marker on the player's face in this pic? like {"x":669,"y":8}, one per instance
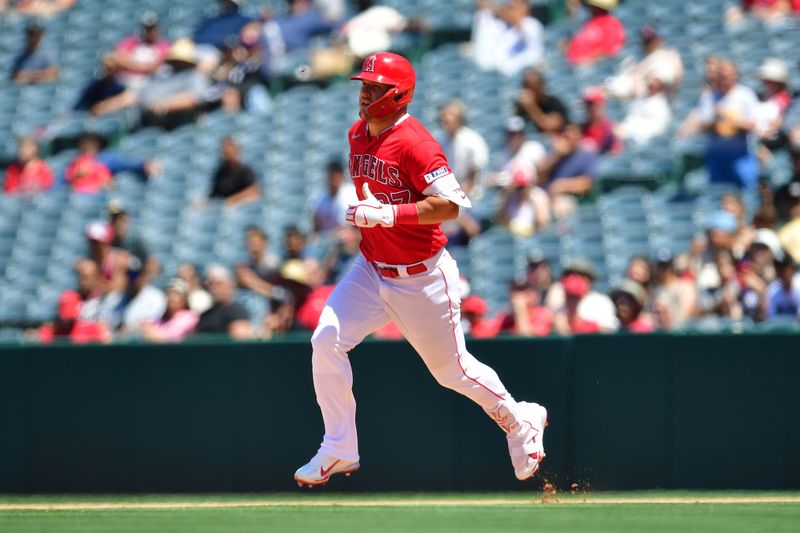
{"x":370,"y":92}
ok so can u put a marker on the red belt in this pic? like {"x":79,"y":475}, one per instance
{"x":392,"y":272}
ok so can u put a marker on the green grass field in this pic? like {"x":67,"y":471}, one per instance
{"x":650,"y":512}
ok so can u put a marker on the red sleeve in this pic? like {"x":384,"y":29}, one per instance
{"x":425,"y":164}
{"x":11,"y":183}
{"x":582,"y":46}
{"x":45,"y":176}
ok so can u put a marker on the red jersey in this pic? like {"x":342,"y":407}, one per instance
{"x":398,"y":164}
{"x":602,"y":35}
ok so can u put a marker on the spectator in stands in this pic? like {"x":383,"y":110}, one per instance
{"x":691,"y":125}
{"x":528,"y":315}
{"x":28,"y":174}
{"x":372,"y":28}
{"x":227,"y":20}
{"x":723,"y":297}
{"x":745,"y":232}
{"x":199,"y":299}
{"x":675,"y":298}
{"x":293,"y":269}
{"x":174,"y":94}
{"x":229,"y":77}
{"x":301,"y":23}
{"x":524,"y":207}
{"x":111,"y":262}
{"x":787,"y":195}
{"x":36,"y":63}
{"x":568,"y":171}
{"x":648,"y":116}
{"x":226,"y":315}
{"x":138,"y":303}
{"x":234,"y":181}
{"x":505,"y":37}
{"x":129,"y":240}
{"x":576,"y":307}
{"x":474,"y":320}
{"x":721,"y":230}
{"x":547,"y":112}
{"x":774,"y":100}
{"x":139,"y":55}
{"x":177,"y":321}
{"x":728,"y":117}
{"x":520,"y":154}
{"x":70,"y":326}
{"x":260,"y":272}
{"x":89,"y":288}
{"x":659,"y":62}
{"x":330,"y":205}
{"x":539,"y":273}
{"x":42,"y":8}
{"x":309,"y":312}
{"x":629,"y":299}
{"x":465,"y":149}
{"x":639,"y":271}
{"x":344,"y":250}
{"x":105,"y":94}
{"x":86,"y":174}
{"x":789,"y":234}
{"x":771,"y":12}
{"x":783,"y":294}
{"x":598,"y":130}
{"x":601,"y":36}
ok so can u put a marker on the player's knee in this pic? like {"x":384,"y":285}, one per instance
{"x":327,"y":350}
{"x":447,"y":378}
{"x":325,"y":337}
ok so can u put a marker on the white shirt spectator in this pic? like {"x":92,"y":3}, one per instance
{"x":525,"y":160}
{"x":738,"y":103}
{"x":631,"y":82}
{"x":466,"y":152}
{"x":329,"y":211}
{"x":506,"y":48}
{"x":647,"y":117}
{"x":371,"y":30}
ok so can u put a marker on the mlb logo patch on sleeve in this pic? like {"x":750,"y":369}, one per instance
{"x":438,"y":173}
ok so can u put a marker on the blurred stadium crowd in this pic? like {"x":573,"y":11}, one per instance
{"x":177,"y":168}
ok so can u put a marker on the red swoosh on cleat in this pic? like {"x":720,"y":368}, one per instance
{"x":324,"y":473}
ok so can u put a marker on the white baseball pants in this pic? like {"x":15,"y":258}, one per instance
{"x":426,"y":308}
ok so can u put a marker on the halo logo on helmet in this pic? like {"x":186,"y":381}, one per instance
{"x":388,"y":69}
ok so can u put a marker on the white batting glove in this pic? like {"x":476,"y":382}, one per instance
{"x":369,"y":212}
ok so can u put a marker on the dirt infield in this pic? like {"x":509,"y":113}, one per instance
{"x":588,"y":500}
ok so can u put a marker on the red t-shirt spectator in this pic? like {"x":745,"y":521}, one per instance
{"x":31,"y":178}
{"x":308,"y":314}
{"x":88,"y":175}
{"x":639,"y":325}
{"x":70,"y":326}
{"x":602,"y":35}
{"x":540,"y":320}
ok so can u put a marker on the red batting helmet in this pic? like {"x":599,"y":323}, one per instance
{"x":388,"y":69}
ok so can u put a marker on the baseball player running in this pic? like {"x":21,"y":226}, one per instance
{"x":405,"y":190}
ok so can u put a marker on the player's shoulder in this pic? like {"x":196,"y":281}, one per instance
{"x":415,"y":130}
{"x":356,"y":130}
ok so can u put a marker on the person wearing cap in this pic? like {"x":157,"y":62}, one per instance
{"x":177,"y":321}
{"x":598,"y":129}
{"x":629,"y":300}
{"x":648,"y":116}
{"x":465,"y":149}
{"x":28,"y":174}
{"x":568,"y":170}
{"x":105,"y":94}
{"x":658,"y":62}
{"x":520,"y":155}
{"x":86,"y":174}
{"x":576,"y":307}
{"x":783,"y":294}
{"x":139,"y":55}
{"x":603,"y":35}
{"x":226,"y":315}
{"x":545,"y":111}
{"x":473,"y":315}
{"x":675,"y":298}
{"x":774,"y":101}
{"x":524,"y":207}
{"x":36,"y":63}
{"x":111,"y":263}
{"x":174,"y":94}
{"x":69,"y":325}
{"x":728,"y":117}
{"x":721,"y":229}
{"x":505,"y":37}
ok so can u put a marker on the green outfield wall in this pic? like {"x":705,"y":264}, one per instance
{"x":625,"y":412}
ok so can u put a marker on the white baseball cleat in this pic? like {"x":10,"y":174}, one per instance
{"x":526,"y":444}
{"x":320,"y":469}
